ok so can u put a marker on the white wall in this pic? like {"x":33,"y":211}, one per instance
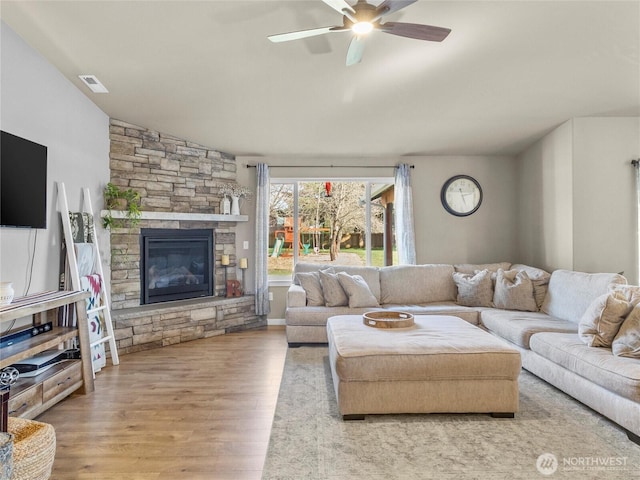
{"x":487,"y":235}
{"x":578,"y":204}
{"x":604,"y":195}
{"x":40,"y":104}
{"x":545,"y":192}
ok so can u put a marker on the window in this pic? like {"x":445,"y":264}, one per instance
{"x":345,"y":222}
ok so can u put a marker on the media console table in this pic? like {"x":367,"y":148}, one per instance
{"x":30,"y":396}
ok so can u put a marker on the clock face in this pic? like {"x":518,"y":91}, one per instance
{"x":461,"y":195}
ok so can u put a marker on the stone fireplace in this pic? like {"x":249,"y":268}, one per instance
{"x":179,"y":183}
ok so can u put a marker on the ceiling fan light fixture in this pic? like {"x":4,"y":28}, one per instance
{"x":362,"y":28}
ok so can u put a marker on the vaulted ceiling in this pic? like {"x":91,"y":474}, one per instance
{"x":204,"y":70}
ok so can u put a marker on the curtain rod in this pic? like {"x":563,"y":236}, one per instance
{"x":635,"y":163}
{"x":331,"y":166}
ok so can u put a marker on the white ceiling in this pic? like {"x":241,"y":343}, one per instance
{"x":508,"y":73}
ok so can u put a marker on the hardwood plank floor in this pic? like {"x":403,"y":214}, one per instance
{"x":197,"y":410}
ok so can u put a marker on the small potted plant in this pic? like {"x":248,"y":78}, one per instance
{"x":118,"y":199}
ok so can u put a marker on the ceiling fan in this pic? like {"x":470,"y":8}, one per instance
{"x":364,"y":17}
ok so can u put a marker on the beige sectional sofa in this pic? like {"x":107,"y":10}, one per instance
{"x":550,"y":336}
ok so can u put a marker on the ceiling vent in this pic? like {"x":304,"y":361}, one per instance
{"x":93,"y":83}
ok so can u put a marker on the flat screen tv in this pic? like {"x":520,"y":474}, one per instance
{"x":23,"y":182}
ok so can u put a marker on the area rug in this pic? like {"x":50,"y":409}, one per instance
{"x":553,"y":436}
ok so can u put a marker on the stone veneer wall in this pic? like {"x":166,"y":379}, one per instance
{"x":171,"y":175}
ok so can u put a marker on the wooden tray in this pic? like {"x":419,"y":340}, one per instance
{"x":388,"y":319}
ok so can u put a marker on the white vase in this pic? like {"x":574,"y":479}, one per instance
{"x":235,"y":205}
{"x":6,"y":293}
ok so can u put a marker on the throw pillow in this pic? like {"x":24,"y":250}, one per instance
{"x":514,"y":291}
{"x":601,"y":321}
{"x":474,"y":290}
{"x":539,"y":278}
{"x":473,"y":267}
{"x":627,"y":341}
{"x":334,"y":295}
{"x":357,"y":290}
{"x":631,"y":292}
{"x":311,"y":283}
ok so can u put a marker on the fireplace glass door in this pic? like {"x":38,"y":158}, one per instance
{"x":175,"y":264}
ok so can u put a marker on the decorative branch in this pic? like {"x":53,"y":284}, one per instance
{"x":234,"y":190}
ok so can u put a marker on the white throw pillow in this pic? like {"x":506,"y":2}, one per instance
{"x":334,"y":294}
{"x":514,"y":291}
{"x":627,"y":341}
{"x":474,"y":290}
{"x":310,"y":281}
{"x":357,"y":290}
{"x":601,"y":321}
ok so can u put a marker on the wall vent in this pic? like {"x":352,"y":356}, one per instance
{"x":93,"y":83}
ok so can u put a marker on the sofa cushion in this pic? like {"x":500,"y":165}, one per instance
{"x":627,"y":341}
{"x":317,"y":316}
{"x":517,"y":327}
{"x":334,"y":294}
{"x":473,"y":267}
{"x":598,"y":365}
{"x":514,"y":291}
{"x":357,"y":290}
{"x":600,"y":323}
{"x":570,"y":293}
{"x":474,"y":289}
{"x":310,"y":281}
{"x":414,"y":284}
{"x":539,"y":279}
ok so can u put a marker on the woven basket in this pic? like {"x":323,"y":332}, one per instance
{"x":34,"y":449}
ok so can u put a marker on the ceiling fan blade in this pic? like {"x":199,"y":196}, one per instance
{"x":340,"y":6}
{"x":415,"y":30}
{"x":356,"y":50}
{"x":285,"y":37}
{"x":389,"y":6}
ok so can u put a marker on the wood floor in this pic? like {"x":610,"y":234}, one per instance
{"x":196,"y":410}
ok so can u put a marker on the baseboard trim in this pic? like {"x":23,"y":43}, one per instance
{"x":276,"y":321}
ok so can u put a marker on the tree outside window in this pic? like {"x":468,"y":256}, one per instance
{"x":333,"y":223}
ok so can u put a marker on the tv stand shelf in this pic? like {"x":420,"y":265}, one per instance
{"x":31,"y":396}
{"x":28,"y":348}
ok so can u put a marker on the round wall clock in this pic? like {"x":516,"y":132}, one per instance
{"x":461,"y":195}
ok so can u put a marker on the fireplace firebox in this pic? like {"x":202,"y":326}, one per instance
{"x":175,"y":264}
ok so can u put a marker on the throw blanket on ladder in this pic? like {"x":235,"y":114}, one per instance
{"x":93,"y":285}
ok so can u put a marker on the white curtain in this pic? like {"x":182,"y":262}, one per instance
{"x":636,"y":165}
{"x":262,"y":240}
{"x":403,"y":203}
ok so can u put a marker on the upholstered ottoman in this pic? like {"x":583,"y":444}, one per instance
{"x":441,"y":364}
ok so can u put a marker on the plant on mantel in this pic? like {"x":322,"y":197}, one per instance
{"x":234,"y":190}
{"x":127,"y":201}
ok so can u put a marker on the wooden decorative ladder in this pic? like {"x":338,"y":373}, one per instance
{"x":75,"y":274}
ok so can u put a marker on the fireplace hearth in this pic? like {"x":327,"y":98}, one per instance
{"x":175,"y":264}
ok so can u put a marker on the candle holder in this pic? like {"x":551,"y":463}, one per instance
{"x":243,"y":267}
{"x":224,"y":261}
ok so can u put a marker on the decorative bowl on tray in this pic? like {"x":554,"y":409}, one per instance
{"x":388,"y":319}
